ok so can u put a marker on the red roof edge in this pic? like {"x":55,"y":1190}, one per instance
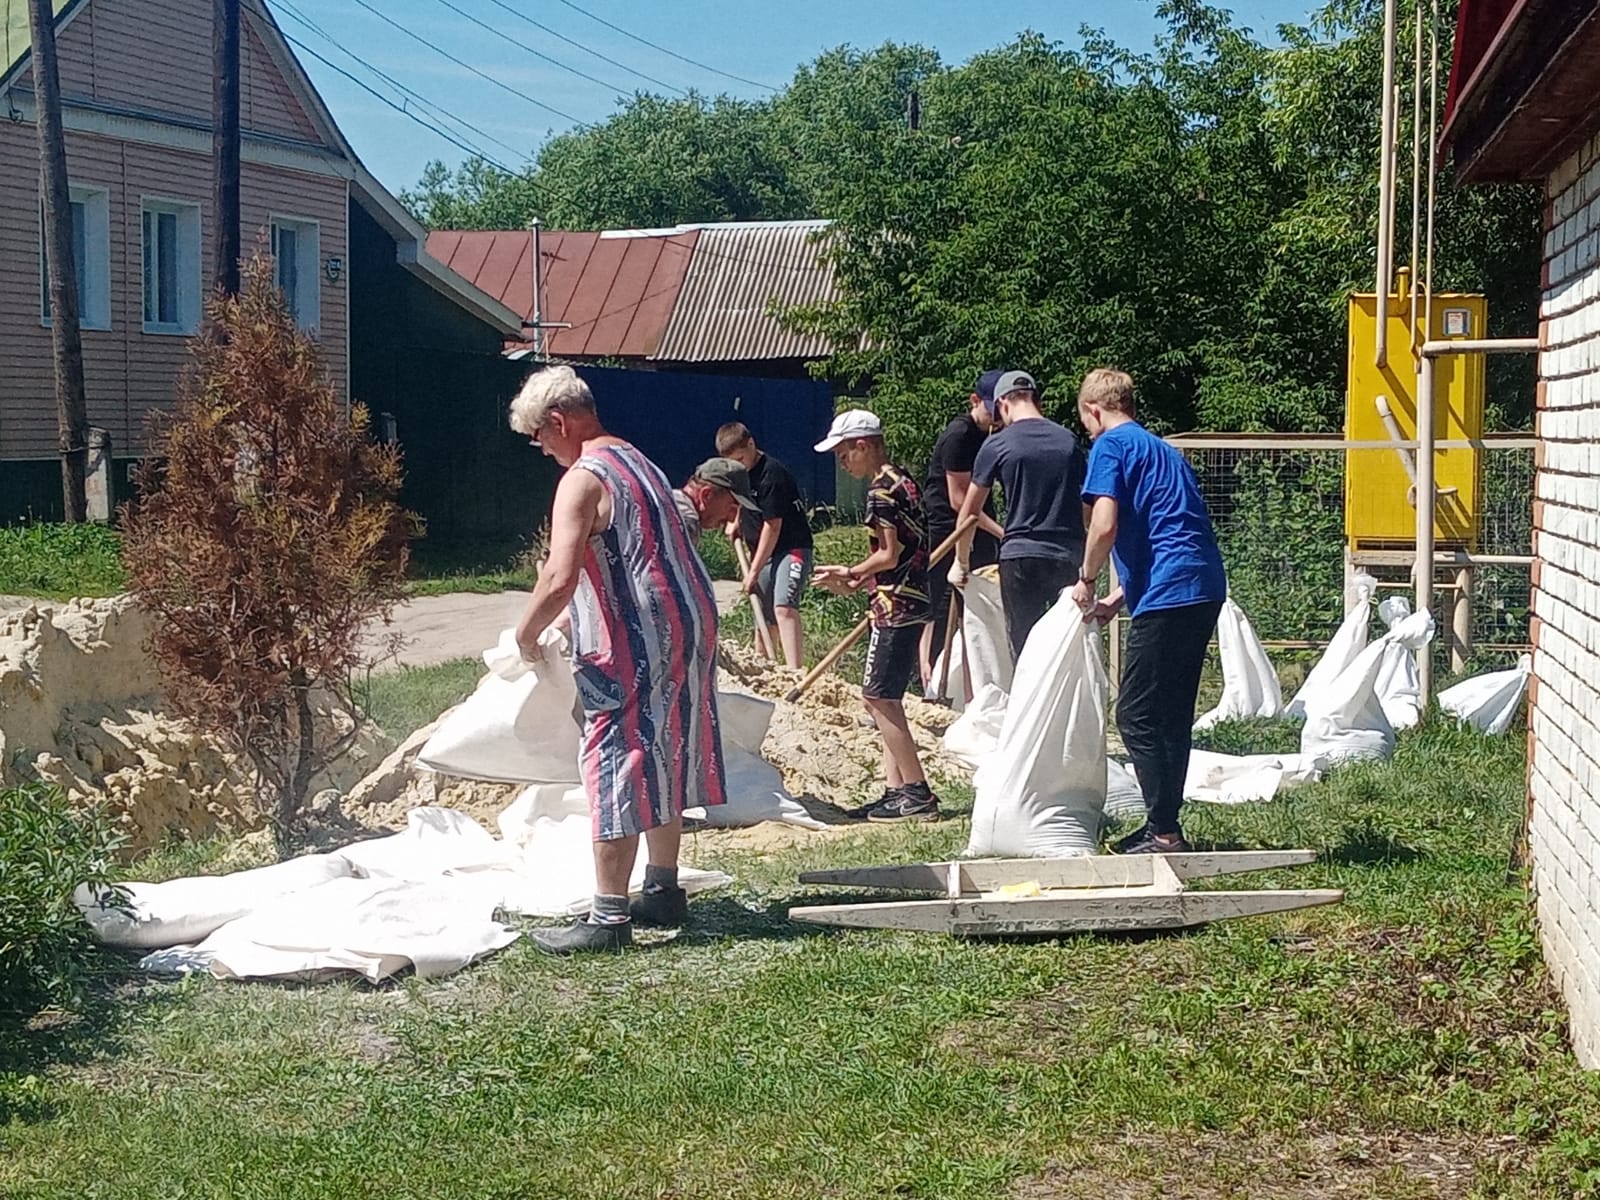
{"x":1481,"y":30}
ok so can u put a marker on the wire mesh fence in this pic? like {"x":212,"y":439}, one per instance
{"x":1277,"y":504}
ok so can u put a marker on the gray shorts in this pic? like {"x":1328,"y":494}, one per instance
{"x":783,"y":581}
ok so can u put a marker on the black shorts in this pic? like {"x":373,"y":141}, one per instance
{"x":891,"y":660}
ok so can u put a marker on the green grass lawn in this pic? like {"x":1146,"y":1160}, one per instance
{"x":1343,"y":1051}
{"x":60,"y":562}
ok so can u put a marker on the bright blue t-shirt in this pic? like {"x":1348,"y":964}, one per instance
{"x":1166,"y":551}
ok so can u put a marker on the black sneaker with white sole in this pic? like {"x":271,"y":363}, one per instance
{"x":1145,"y":841}
{"x":914,"y":802}
{"x":862,"y":811}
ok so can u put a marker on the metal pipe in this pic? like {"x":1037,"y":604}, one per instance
{"x":1386,"y":189}
{"x":538,"y":308}
{"x":1523,"y":345}
{"x":1423,"y":568}
{"x":1416,"y":184}
{"x":1433,"y":165}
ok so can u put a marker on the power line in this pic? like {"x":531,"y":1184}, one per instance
{"x":505,"y":87}
{"x":587,"y":49}
{"x":521,"y":45}
{"x":399,"y":108}
{"x":438,"y":109}
{"x":673,"y":53}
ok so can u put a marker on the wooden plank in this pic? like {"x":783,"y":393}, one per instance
{"x":1142,"y":909}
{"x":1100,"y":870}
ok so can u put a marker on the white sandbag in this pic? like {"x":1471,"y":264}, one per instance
{"x":1242,"y":778}
{"x":1399,"y":686}
{"x":983,"y":629}
{"x":755,"y":794}
{"x":1488,"y":702}
{"x":1347,"y":644}
{"x":518,"y":726}
{"x":973,"y":735}
{"x":743,"y":721}
{"x":1043,"y":790}
{"x":374,"y":927}
{"x":181,"y":911}
{"x":955,"y":686}
{"x":1345,"y":720}
{"x":1250,"y":685}
{"x":1124,"y":797}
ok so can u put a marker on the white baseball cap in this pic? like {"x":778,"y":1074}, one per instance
{"x":855,"y":423}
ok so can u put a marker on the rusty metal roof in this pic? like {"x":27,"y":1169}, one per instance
{"x":740,"y":271}
{"x":616,"y":292}
{"x":689,"y":293}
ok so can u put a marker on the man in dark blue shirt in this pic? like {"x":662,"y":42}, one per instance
{"x":1143,"y":508}
{"x":1040,"y":467}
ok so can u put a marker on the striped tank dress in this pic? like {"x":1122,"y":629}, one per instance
{"x":644,"y":624}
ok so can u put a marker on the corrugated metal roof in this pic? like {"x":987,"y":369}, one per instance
{"x":740,"y":271}
{"x":617,"y":294}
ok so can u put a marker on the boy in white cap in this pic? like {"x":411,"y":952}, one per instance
{"x":896,"y":573}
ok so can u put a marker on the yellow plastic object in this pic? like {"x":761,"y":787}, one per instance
{"x":1012,"y":891}
{"x":1378,"y":492}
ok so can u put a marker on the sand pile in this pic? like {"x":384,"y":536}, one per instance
{"x":820,"y":742}
{"x":80,"y":708}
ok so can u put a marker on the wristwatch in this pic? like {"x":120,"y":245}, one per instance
{"x":1089,"y":579}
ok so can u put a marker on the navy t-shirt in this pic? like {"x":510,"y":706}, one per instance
{"x":1166,"y":551}
{"x":1040,"y":465}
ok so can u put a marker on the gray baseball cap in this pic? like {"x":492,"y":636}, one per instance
{"x":1014,"y":381}
{"x":725,"y":473}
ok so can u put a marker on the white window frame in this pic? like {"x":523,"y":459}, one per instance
{"x":306,"y":308}
{"x":94,"y":297}
{"x":189,"y":215}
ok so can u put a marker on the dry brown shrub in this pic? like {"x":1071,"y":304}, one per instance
{"x":266,"y":538}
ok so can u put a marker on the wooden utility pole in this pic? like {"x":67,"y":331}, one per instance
{"x":66,"y":340}
{"x":225,"y":143}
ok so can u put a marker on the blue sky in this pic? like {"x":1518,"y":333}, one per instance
{"x":759,"y":40}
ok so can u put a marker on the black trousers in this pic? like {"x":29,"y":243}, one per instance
{"x":985,"y":551}
{"x":1161,"y":666}
{"x":1028,"y":587}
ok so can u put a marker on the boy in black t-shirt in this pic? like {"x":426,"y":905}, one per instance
{"x":778,"y":536}
{"x":897,"y":572}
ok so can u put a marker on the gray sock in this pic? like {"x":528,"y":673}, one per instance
{"x":660,"y":879}
{"x":609,"y":910}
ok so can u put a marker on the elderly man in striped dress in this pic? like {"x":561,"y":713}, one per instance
{"x":644,"y":629}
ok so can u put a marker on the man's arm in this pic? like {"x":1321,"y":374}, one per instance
{"x":572,"y":520}
{"x":956,"y":485}
{"x":977,"y":496}
{"x":1102,"y":535}
{"x":770,"y":529}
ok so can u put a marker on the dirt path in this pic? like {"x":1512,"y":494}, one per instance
{"x":440,"y":629}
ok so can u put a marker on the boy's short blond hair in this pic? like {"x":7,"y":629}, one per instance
{"x":1109,"y":389}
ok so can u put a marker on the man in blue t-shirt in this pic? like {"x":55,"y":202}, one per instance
{"x":1143,"y":508}
{"x":1039,"y":465}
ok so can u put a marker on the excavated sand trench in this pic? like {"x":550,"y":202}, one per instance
{"x":80,"y":708}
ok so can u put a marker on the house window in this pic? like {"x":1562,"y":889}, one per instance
{"x":171,"y":267}
{"x":296,"y":257}
{"x":91,"y":257}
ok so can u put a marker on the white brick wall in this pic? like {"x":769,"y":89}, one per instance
{"x":1564,"y":725}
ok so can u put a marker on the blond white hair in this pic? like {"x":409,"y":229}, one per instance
{"x":554,"y":389}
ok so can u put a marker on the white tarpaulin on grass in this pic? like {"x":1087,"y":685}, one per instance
{"x":1042,"y":792}
{"x":1399,"y":685}
{"x":425,"y":898}
{"x":1250,"y":685}
{"x":1488,"y":702}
